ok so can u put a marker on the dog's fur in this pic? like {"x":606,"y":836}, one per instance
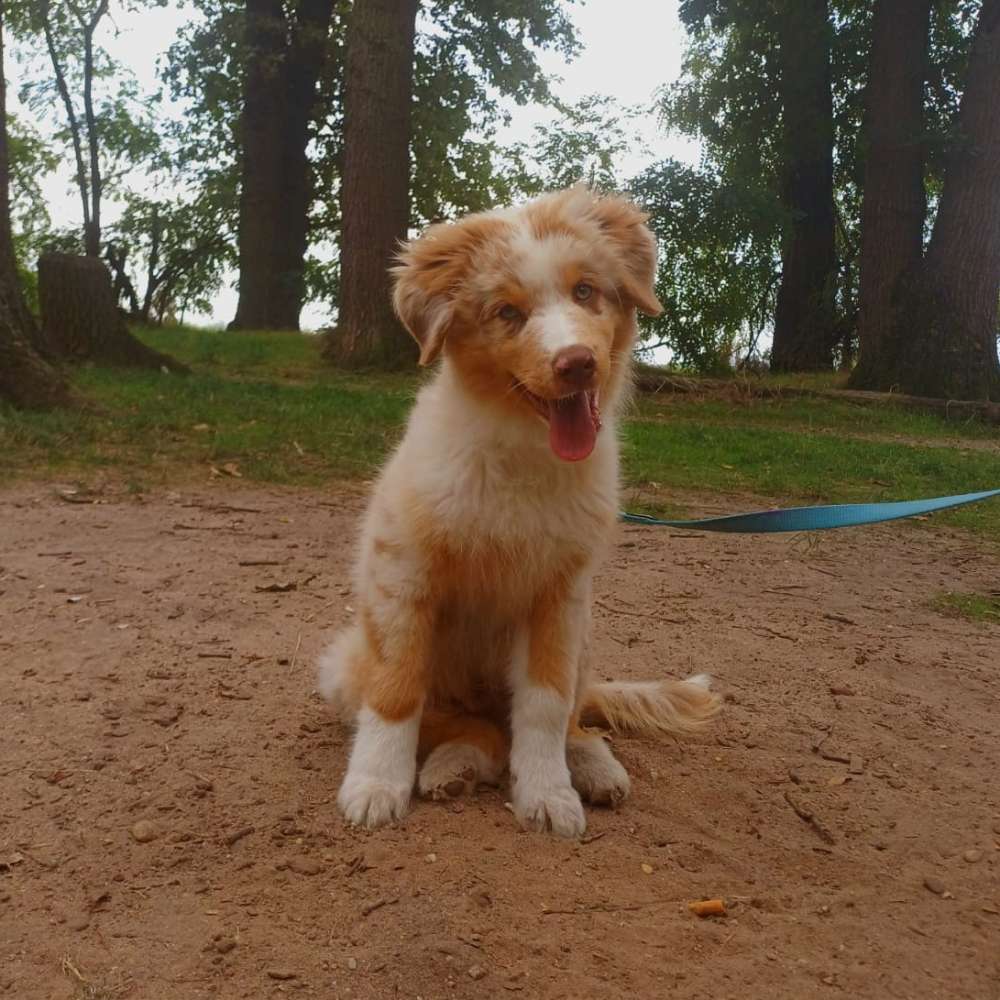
{"x":485,"y":529}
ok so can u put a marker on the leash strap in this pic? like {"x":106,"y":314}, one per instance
{"x":844,"y":515}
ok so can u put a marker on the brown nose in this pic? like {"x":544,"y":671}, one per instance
{"x":575,"y":366}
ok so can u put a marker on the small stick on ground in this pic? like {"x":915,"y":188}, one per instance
{"x":238,"y":835}
{"x":329,"y":604}
{"x":808,"y":817}
{"x":377,"y":905}
{"x":839,"y":618}
{"x":295,"y":652}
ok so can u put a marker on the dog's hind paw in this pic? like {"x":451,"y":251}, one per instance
{"x":369,"y":802}
{"x":595,"y":773}
{"x":454,"y":769}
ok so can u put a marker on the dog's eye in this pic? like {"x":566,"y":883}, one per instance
{"x":509,"y":313}
{"x":582,"y":292}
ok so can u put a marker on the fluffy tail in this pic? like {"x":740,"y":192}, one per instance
{"x":336,"y":680}
{"x":651,"y":706}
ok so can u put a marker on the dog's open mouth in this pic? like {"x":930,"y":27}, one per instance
{"x":573,"y":421}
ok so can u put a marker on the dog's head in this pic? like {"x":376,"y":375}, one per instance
{"x":535,"y":306}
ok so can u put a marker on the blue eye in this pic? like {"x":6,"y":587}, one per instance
{"x":582,"y":292}
{"x":509,"y":313}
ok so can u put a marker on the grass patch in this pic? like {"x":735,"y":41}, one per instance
{"x":268,"y":404}
{"x":817,"y":415}
{"x":280,"y":433}
{"x":972,"y":607}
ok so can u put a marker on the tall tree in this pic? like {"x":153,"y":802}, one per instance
{"x":805,"y":316}
{"x":758,"y":92}
{"x":949,"y":323}
{"x":88,"y":169}
{"x":472,"y":54}
{"x":493,"y":40}
{"x":375,"y":200}
{"x":26,"y":379}
{"x":895,"y":201}
{"x":285,"y":54}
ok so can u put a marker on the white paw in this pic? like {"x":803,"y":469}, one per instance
{"x":454,"y":769}
{"x":369,"y":802}
{"x":556,"y":807}
{"x":596,"y":775}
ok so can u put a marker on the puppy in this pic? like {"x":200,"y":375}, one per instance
{"x":473,"y":585}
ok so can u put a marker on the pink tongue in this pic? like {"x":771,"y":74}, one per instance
{"x":572,"y":433}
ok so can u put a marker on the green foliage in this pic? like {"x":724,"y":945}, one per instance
{"x":728,"y":98}
{"x":30,"y":160}
{"x":585,"y":143}
{"x":720,"y":225}
{"x":717,"y":279}
{"x":174,"y":250}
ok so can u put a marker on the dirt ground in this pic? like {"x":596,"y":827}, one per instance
{"x":167,"y":774}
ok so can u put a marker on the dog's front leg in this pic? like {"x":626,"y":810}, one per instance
{"x":392,"y":671}
{"x":543,"y":680}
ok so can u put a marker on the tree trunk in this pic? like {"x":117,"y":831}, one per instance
{"x":284,"y":63}
{"x":895,"y":202}
{"x":92,"y":230}
{"x":805,"y":317}
{"x":951,"y":309}
{"x":71,"y":119}
{"x":80,"y":319}
{"x":26,"y":379}
{"x":375,"y":202}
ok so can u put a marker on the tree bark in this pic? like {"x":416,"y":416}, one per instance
{"x":375,"y":203}
{"x":805,"y":316}
{"x":951,"y":299}
{"x":284,"y":62}
{"x":80,"y":318}
{"x":895,"y":203}
{"x":26,"y":379}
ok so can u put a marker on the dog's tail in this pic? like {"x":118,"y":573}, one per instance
{"x":336,"y":679}
{"x":651,"y":706}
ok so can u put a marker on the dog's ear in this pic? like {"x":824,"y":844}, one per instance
{"x":625,"y":226}
{"x":430,"y":270}
{"x":426,"y":316}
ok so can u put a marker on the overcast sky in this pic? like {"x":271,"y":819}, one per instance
{"x":617,"y":60}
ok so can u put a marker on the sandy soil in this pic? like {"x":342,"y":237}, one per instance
{"x":847,"y":806}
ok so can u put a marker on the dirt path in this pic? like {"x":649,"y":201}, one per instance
{"x":147,"y":679}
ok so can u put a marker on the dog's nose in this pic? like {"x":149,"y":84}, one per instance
{"x":575,"y":366}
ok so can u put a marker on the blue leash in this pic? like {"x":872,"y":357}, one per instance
{"x":843,"y":515}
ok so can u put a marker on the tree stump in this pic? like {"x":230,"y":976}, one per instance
{"x":80,"y":320}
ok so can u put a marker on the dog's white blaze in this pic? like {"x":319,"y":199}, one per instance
{"x":382,"y":769}
{"x":556,"y":328}
{"x":538,"y":259}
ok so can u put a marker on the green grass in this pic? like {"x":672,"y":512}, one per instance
{"x":972,"y":607}
{"x":266,"y":403}
{"x":817,"y":415}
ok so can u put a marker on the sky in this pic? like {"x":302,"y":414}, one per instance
{"x":616,"y":60}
